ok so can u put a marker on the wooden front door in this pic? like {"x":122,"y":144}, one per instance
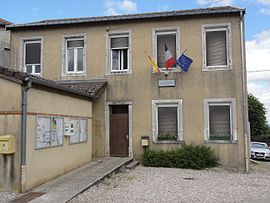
{"x":119,"y":136}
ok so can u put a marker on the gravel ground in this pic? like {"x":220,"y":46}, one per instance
{"x":7,"y":196}
{"x":146,"y":184}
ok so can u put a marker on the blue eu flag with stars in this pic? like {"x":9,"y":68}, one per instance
{"x":184,"y":62}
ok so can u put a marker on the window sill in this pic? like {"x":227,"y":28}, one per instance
{"x":205,"y":69}
{"x":220,"y":141}
{"x":74,"y":74}
{"x":168,"y":142}
{"x":120,"y":73}
{"x":173,"y":70}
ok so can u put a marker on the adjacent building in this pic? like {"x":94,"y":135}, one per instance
{"x":4,"y":44}
{"x":206,"y":105}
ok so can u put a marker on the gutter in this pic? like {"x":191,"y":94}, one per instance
{"x":245,"y":97}
{"x":25,"y":88}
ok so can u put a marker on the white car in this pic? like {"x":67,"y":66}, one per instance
{"x":259,"y":150}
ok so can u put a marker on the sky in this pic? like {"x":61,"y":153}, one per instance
{"x":257,"y":25}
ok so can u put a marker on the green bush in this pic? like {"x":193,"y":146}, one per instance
{"x":189,"y":156}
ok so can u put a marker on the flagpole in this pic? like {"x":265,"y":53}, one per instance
{"x":184,"y":51}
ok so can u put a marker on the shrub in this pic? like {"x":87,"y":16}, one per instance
{"x":189,"y":156}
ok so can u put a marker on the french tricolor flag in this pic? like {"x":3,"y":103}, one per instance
{"x":169,"y":60}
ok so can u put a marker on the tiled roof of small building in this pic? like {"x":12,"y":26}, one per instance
{"x":92,"y":93}
{"x":130,"y":17}
{"x":92,"y":87}
{"x":4,"y":22}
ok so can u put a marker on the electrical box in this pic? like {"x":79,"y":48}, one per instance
{"x":7,"y":144}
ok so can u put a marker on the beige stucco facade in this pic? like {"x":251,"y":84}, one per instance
{"x":140,"y":87}
{"x":54,"y":161}
{"x":42,"y":164}
{"x":10,"y":124}
{"x":4,"y":47}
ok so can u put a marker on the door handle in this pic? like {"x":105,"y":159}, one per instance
{"x":127,"y":137}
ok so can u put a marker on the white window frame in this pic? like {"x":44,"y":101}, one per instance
{"x":163,"y":31}
{"x":217,"y":27}
{"x":116,"y":34}
{"x":67,"y":38}
{"x":167,"y":103}
{"x":29,"y":40}
{"x":231,"y":102}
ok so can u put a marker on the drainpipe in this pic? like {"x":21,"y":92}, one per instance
{"x":25,"y":88}
{"x":245,"y":103}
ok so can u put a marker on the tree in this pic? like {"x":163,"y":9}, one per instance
{"x":257,"y":117}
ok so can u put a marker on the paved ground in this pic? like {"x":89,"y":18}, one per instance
{"x":177,"y":185}
{"x":67,"y":186}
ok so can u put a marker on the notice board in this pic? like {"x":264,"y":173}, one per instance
{"x":49,"y":131}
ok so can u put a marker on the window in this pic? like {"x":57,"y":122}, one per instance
{"x":220,"y":120}
{"x":167,"y":120}
{"x":217,"y":46}
{"x":119,"y":53}
{"x":170,"y":39}
{"x":32,"y":56}
{"x":75,"y":59}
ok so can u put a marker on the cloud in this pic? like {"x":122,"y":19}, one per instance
{"x":34,"y":8}
{"x":265,"y":11}
{"x":258,"y":66}
{"x":258,"y":53}
{"x":163,"y":7}
{"x":128,"y":5}
{"x":213,"y":3}
{"x":265,"y":2}
{"x":116,"y":7}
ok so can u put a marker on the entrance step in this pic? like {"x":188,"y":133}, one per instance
{"x":132,"y":164}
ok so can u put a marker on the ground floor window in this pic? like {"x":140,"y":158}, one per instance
{"x":220,"y":122}
{"x":167,"y":120}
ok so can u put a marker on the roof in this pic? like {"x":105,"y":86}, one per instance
{"x":129,"y":17}
{"x":4,"y":22}
{"x":92,"y":87}
{"x":92,"y":93}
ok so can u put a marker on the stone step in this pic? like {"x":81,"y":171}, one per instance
{"x":132,"y":164}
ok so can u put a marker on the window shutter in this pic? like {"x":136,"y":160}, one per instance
{"x":167,"y":120}
{"x":33,"y":51}
{"x":216,"y":52}
{"x":219,"y":118}
{"x":170,"y":40}
{"x":119,"y":42}
{"x":75,"y":43}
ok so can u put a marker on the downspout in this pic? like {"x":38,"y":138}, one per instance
{"x":245,"y":103}
{"x":25,"y":88}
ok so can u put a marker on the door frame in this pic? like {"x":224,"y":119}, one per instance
{"x":107,"y":125}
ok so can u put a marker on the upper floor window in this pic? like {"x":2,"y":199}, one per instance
{"x":217,"y":46}
{"x":163,"y":39}
{"x":32,"y":56}
{"x":119,"y":53}
{"x":75,"y":60}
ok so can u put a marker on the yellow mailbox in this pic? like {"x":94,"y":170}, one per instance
{"x":7,"y":144}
